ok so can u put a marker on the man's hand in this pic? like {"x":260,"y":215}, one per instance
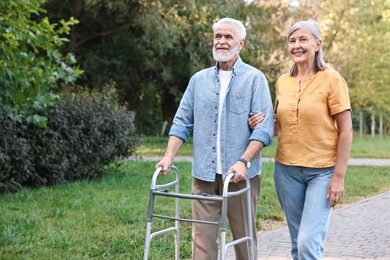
{"x":255,"y":119}
{"x":239,"y":170}
{"x":173,"y":145}
{"x":166,"y":164}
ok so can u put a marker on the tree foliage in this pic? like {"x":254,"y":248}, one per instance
{"x":31,"y":63}
{"x":148,"y":49}
{"x":367,"y":64}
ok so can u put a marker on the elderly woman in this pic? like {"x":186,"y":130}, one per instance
{"x":315,"y":134}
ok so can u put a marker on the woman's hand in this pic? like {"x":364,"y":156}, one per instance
{"x":255,"y":119}
{"x":335,"y":190}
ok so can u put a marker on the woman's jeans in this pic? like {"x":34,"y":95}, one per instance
{"x":302,"y":193}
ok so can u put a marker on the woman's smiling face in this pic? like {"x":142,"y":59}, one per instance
{"x":302,"y":46}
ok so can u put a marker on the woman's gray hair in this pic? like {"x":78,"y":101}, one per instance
{"x":312,"y":26}
{"x":241,"y":31}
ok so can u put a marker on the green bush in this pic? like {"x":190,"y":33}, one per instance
{"x":84,"y":132}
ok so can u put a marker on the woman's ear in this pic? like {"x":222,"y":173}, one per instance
{"x":319,"y":43}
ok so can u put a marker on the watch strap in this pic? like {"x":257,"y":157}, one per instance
{"x":244,"y":161}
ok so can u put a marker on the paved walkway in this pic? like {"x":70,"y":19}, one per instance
{"x":356,"y":232}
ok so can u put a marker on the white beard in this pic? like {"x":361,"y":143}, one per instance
{"x":225,"y":57}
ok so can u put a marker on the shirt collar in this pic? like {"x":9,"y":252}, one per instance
{"x":237,"y":67}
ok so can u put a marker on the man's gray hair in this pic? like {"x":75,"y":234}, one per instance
{"x":312,"y":26}
{"x":241,"y":31}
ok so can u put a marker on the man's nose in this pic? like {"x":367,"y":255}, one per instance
{"x":223,"y":39}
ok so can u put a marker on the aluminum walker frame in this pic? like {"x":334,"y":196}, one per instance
{"x":161,"y":190}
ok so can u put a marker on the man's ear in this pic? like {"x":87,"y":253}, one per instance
{"x":242,"y":44}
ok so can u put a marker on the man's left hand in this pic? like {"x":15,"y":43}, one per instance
{"x":239,"y":170}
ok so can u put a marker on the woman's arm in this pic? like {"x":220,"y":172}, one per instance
{"x":336,"y":185}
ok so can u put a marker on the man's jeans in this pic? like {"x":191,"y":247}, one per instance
{"x":302,"y":193}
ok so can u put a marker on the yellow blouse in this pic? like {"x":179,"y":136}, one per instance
{"x":308,"y":133}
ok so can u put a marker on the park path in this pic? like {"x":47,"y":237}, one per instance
{"x":359,"y":231}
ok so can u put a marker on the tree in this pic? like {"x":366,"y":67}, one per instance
{"x":147,"y":49}
{"x":366,"y":64}
{"x":31,"y":64}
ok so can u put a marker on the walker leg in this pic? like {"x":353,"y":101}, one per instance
{"x":250,"y":222}
{"x":149,"y":225}
{"x":147,"y":240}
{"x":177,"y":244}
{"x":223,"y":227}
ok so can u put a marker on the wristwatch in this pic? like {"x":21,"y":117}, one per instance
{"x":246,"y":162}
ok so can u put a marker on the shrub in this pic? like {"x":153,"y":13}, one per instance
{"x":84,"y":132}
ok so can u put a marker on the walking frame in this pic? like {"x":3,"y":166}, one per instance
{"x":161,"y":190}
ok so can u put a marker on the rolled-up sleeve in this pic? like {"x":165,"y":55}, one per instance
{"x":183,"y":121}
{"x":262,"y":102}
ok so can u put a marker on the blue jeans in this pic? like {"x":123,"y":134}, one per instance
{"x":302,"y":194}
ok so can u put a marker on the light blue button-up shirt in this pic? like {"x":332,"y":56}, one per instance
{"x":248,"y":91}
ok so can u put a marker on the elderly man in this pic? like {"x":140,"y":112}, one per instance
{"x":216,"y":106}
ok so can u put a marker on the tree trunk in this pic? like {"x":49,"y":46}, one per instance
{"x":381,"y":125}
{"x":361,"y":124}
{"x":373,"y":125}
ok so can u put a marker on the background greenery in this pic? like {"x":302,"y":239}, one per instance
{"x":149,"y":49}
{"x":84,"y":132}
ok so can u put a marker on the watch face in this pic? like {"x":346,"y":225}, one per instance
{"x":248,"y":164}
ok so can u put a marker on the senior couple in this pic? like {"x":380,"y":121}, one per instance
{"x":229,"y":109}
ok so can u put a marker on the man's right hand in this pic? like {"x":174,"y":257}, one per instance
{"x":166,"y":164}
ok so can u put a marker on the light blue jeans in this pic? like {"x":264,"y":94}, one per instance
{"x":302,"y":194}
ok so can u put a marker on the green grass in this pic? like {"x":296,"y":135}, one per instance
{"x":106,"y":218}
{"x":371,"y":148}
{"x":361,"y":147}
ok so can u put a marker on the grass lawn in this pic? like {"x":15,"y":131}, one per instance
{"x":106,"y":218}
